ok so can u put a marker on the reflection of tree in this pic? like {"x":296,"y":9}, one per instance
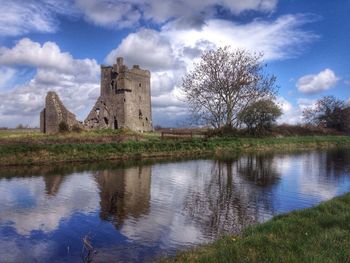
{"x":327,"y":164}
{"x":259,"y":169}
{"x":231,"y":197}
{"x":124,"y":193}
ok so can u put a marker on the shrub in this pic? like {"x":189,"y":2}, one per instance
{"x":77,"y":128}
{"x":259,"y":116}
{"x":63,"y":127}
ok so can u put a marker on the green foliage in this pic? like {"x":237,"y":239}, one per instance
{"x":319,"y":234}
{"x":260,"y":116}
{"x":63,"y":127}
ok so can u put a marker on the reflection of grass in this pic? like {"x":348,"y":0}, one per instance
{"x":34,"y":147}
{"x":320,"y":234}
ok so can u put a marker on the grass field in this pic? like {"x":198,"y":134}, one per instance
{"x":19,"y":147}
{"x":319,"y":234}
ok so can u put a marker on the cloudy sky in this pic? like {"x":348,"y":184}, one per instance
{"x":59,"y":45}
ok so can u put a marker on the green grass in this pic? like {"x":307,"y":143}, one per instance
{"x":18,"y":147}
{"x":319,"y":234}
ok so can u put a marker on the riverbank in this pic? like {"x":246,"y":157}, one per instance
{"x":42,"y":149}
{"x":319,"y":234}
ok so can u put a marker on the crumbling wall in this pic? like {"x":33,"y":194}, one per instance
{"x":54,"y":113}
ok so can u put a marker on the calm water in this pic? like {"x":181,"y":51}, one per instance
{"x":137,"y":213}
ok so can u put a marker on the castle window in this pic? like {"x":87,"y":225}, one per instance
{"x":115,"y":124}
{"x":140,"y":114}
{"x":140,"y":85}
{"x":106,"y":120}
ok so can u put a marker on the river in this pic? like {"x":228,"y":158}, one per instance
{"x":138,"y":212}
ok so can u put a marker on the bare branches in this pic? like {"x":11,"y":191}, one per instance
{"x":328,"y":112}
{"x":225,"y":82}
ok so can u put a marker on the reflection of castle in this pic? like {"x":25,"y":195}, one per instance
{"x":124,"y":193}
{"x":53,"y":183}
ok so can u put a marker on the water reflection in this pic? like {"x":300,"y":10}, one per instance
{"x":137,"y":212}
{"x":124,"y":193}
{"x":231,"y":199}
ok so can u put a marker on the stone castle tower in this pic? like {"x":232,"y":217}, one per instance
{"x":125,"y":99}
{"x":124,"y":102}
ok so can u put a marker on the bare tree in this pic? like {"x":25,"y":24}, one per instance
{"x":328,"y":112}
{"x":224,"y":83}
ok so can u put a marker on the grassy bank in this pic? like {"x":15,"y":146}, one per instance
{"x":35,"y":148}
{"x":320,"y":234}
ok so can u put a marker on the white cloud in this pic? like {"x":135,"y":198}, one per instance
{"x":289,"y":114}
{"x":311,"y":84}
{"x":110,"y":13}
{"x":293,"y":114}
{"x":277,"y":39}
{"x":22,"y":17}
{"x":75,"y":80}
{"x":115,"y":13}
{"x":146,"y":47}
{"x":27,"y":52}
{"x":6,"y":74}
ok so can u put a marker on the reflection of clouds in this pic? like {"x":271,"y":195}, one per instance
{"x":76,"y":194}
{"x":31,"y":251}
{"x":313,"y":176}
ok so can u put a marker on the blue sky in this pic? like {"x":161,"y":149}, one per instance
{"x":59,"y":45}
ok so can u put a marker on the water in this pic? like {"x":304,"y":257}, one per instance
{"x":140,"y":212}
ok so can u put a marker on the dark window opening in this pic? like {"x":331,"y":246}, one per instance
{"x":146,"y":119}
{"x":114,"y":75}
{"x":140,"y":85}
{"x":115,"y":124}
{"x":106,"y":120}
{"x":140,"y":114}
{"x":118,"y":91}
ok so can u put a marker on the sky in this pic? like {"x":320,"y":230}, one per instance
{"x":59,"y":45}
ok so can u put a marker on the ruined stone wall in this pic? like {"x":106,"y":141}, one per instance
{"x":42,"y":121}
{"x":55,"y":113}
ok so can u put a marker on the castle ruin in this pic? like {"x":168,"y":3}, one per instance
{"x":124,"y":102}
{"x":55,"y":113}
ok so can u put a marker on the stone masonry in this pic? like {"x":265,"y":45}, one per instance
{"x":124,"y":102}
{"x":54,"y":113}
{"x":125,"y":99}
